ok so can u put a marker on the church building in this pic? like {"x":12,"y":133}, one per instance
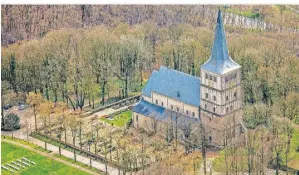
{"x":214,"y":99}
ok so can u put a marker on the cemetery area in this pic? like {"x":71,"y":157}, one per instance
{"x":18,"y":160}
{"x":119,"y":144}
{"x":119,"y":119}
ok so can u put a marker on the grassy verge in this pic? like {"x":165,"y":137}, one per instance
{"x":119,"y":120}
{"x":294,"y":151}
{"x":43,"y":165}
{"x":78,"y":163}
{"x":24,"y":143}
{"x":52,"y":142}
{"x":248,"y":14}
{"x":219,"y":163}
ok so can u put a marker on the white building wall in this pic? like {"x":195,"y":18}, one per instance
{"x":173,"y":104}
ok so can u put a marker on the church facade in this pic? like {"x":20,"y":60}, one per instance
{"x":214,"y":100}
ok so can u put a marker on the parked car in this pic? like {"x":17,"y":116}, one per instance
{"x":7,"y":106}
{"x":22,"y":106}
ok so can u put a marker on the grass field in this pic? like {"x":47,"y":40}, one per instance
{"x":120,"y":119}
{"x":294,"y":150}
{"x":43,"y":165}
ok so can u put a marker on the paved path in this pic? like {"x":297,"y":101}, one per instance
{"x":65,"y":153}
{"x":50,"y":156}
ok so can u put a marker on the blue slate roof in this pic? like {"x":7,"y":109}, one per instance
{"x":159,"y":113}
{"x":220,"y":62}
{"x":174,"y":84}
{"x":150,"y":110}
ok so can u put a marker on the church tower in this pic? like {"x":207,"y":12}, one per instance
{"x":220,"y":91}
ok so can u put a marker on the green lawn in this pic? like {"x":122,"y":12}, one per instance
{"x":294,"y":154}
{"x":43,"y":165}
{"x":119,"y":120}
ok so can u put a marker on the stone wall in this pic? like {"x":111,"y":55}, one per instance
{"x":173,"y":104}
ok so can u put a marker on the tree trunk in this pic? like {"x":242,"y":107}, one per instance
{"x":74,"y":140}
{"x":34,"y":111}
{"x":103,"y":92}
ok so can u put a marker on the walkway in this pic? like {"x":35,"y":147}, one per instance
{"x":65,"y":153}
{"x":50,"y":156}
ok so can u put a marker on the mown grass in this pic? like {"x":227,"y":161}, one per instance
{"x":78,"y":163}
{"x":24,"y":142}
{"x":219,"y":163}
{"x":294,"y":151}
{"x":248,"y":14}
{"x":43,"y":165}
{"x":119,"y":120}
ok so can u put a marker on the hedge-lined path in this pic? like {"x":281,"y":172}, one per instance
{"x":49,"y":156}
{"x":65,"y":153}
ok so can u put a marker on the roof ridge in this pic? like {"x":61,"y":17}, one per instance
{"x":184,"y":73}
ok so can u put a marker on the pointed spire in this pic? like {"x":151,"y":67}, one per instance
{"x":220,"y":59}
{"x":219,"y":18}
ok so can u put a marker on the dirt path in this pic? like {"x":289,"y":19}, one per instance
{"x":50,"y":156}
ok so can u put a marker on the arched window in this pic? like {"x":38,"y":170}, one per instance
{"x":156,"y":101}
{"x":231,"y":108}
{"x":210,"y":77}
{"x":136,"y":118}
{"x":177,"y":109}
{"x":215,"y":79}
{"x":235,"y":94}
{"x":206,"y":106}
{"x":210,"y":138}
{"x":206,"y":76}
{"x":207,"y":95}
{"x":187,"y":112}
{"x":193,"y":114}
{"x":214,"y":98}
{"x":161,"y":103}
{"x":214,"y":109}
{"x":171,"y":107}
{"x":227,"y":98}
{"x":226,"y":109}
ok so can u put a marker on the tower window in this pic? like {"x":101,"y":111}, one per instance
{"x":215,"y":79}
{"x":206,"y":76}
{"x":187,"y":112}
{"x":177,"y":108}
{"x":214,"y":109}
{"x":227,"y":98}
{"x":210,"y":77}
{"x":171,"y":107}
{"x":193,"y":114}
{"x":235,"y":75}
{"x":136,"y":118}
{"x":226,"y":109}
{"x":207,"y":95}
{"x":214,"y":98}
{"x":235,"y":94}
{"x":156,"y":101}
{"x":161,"y":103}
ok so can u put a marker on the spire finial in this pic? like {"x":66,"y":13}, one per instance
{"x":219,"y":16}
